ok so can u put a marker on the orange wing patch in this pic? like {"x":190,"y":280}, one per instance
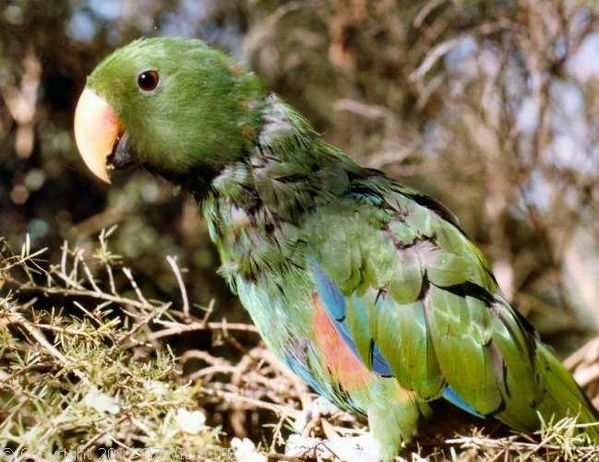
{"x":343,"y":364}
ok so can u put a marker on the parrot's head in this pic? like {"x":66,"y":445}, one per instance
{"x":172,"y":105}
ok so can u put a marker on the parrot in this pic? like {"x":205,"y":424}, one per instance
{"x":366,"y":289}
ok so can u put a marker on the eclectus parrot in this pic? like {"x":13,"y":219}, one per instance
{"x":366,"y":289}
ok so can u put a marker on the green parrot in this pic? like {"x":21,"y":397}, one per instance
{"x":366,"y":289}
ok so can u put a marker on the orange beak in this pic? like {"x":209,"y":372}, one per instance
{"x":97,"y":130}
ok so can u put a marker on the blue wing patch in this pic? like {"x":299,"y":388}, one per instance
{"x":330,"y":294}
{"x":450,"y":395}
{"x":379,"y":363}
{"x":303,"y":373}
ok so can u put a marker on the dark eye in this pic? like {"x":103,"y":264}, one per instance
{"x":148,"y":80}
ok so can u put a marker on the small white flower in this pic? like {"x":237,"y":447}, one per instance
{"x":316,"y":408}
{"x":156,"y":388}
{"x":301,"y":421}
{"x":301,"y":446}
{"x":101,"y":402}
{"x":321,"y":406}
{"x":361,"y":448}
{"x":190,"y":421}
{"x":70,"y":457}
{"x":245,"y":451}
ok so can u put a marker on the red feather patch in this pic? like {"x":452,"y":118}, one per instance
{"x":344,"y":366}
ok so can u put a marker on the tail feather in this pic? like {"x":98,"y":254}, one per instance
{"x":563,"y":397}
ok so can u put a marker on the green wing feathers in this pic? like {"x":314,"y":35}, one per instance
{"x":432,"y":308}
{"x":416,"y":368}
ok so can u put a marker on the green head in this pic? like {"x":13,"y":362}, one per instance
{"x":178,"y":105}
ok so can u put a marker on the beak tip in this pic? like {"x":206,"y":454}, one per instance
{"x":105,"y":178}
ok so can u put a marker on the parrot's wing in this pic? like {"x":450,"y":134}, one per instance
{"x":419,"y":303}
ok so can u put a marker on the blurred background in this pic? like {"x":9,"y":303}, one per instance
{"x":490,"y":106}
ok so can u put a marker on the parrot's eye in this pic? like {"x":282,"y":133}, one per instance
{"x":148,"y":80}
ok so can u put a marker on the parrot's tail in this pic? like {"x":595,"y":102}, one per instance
{"x":563,"y":397}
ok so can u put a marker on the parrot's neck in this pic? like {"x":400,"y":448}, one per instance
{"x":272,"y":190}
